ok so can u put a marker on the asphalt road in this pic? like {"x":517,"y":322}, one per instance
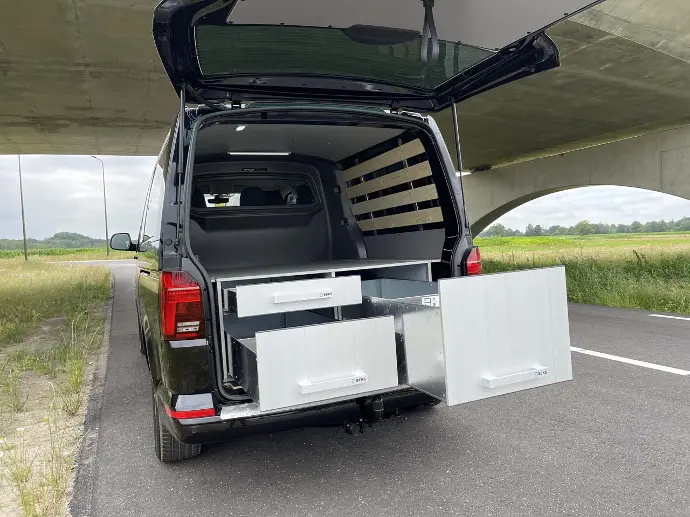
{"x":614,"y":441}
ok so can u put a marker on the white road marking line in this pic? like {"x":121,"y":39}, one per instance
{"x":669,"y":317}
{"x":635,"y":362}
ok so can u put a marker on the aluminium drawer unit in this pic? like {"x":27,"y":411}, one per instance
{"x":316,"y":335}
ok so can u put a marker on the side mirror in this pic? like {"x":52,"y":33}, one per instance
{"x":122,"y":242}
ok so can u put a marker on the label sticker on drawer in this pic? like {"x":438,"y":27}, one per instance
{"x":430,"y":301}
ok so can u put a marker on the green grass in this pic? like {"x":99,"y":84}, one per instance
{"x":624,"y":240}
{"x":43,"y":373}
{"x":649,"y":271}
{"x":66,"y":254}
{"x":34,"y":291}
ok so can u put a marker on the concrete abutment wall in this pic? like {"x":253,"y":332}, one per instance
{"x":658,"y":161}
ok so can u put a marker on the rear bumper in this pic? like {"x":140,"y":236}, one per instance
{"x":330,"y":415}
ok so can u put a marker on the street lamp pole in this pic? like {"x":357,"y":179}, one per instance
{"x":105,"y":205}
{"x":21,"y":201}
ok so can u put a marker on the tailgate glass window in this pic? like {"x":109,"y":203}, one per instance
{"x":276,"y":50}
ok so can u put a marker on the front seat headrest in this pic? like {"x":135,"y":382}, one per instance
{"x":198,"y":199}
{"x":253,"y":196}
{"x":304,"y":195}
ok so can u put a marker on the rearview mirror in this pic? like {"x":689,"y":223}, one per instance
{"x":122,"y":242}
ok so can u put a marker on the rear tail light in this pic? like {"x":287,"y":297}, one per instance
{"x":474,"y":262}
{"x":193,"y":413}
{"x":182,"y":312}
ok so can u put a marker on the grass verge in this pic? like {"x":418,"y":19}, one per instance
{"x":33,"y":292}
{"x":639,"y":275}
{"x":51,"y":321}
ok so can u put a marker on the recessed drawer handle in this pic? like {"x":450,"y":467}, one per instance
{"x":513,"y":378}
{"x":302,"y":297}
{"x":343,"y":382}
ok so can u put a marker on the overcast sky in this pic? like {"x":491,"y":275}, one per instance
{"x":598,"y":205}
{"x":64,"y":193}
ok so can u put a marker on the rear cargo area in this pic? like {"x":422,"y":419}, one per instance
{"x":296,"y":194}
{"x":314,"y":217}
{"x":327,"y":248}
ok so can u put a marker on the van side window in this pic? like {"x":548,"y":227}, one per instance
{"x":153,"y":210}
{"x":152,"y":224}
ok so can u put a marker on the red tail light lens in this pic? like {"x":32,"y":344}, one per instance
{"x":194,"y":413}
{"x":182,"y":312}
{"x":474,"y":262}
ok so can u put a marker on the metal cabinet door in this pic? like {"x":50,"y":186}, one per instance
{"x":494,"y":334}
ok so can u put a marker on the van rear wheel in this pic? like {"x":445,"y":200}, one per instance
{"x":142,"y":342}
{"x":168,"y":448}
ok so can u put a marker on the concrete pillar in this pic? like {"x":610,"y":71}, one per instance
{"x":658,"y":161}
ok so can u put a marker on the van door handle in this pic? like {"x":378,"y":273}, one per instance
{"x":144,"y":272}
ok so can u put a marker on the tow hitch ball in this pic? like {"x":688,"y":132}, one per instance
{"x":371,"y":412}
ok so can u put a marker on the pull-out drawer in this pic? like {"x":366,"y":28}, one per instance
{"x":484,"y":336}
{"x":319,"y":362}
{"x":299,"y":295}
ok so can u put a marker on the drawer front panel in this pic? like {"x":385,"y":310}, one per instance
{"x":491,"y":335}
{"x":299,"y":295}
{"x":321,"y":362}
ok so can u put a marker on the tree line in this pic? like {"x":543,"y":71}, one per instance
{"x":587,"y":228}
{"x":59,"y":240}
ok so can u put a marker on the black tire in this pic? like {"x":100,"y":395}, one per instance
{"x":142,"y":341}
{"x":168,"y":448}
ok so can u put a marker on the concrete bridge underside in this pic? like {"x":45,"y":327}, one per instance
{"x":82,"y":77}
{"x":658,"y":161}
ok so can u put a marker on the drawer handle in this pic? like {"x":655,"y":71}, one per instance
{"x":343,"y":382}
{"x":513,"y":378}
{"x":302,"y":297}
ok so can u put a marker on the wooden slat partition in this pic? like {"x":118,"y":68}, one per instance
{"x":426,"y":216}
{"x":407,"y":197}
{"x":396,"y":155}
{"x":420,"y":170}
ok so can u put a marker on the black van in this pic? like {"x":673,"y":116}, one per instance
{"x":304,"y":219}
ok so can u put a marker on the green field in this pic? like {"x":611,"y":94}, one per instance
{"x":65,"y":254}
{"x":629,"y":240}
{"x":640,"y":271}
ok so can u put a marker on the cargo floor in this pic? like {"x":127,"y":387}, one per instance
{"x":312,"y":268}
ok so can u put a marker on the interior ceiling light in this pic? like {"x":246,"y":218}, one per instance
{"x":258,"y":153}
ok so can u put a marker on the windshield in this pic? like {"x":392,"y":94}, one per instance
{"x":364,"y":53}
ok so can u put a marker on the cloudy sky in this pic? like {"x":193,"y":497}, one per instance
{"x":598,"y":205}
{"x":64,"y":193}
